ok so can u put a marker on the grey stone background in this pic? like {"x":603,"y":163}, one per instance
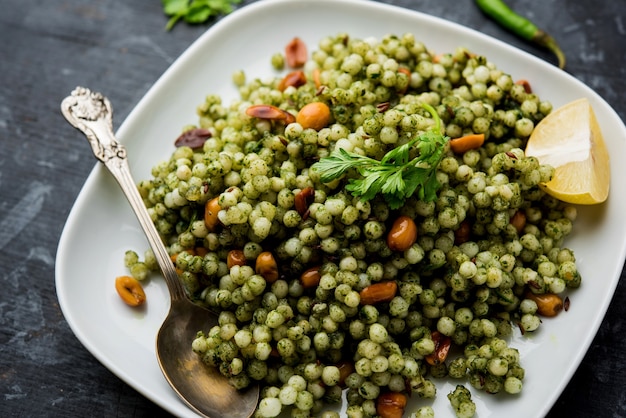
{"x":121,"y":47}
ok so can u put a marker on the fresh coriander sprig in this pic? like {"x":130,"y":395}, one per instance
{"x":395,"y":176}
{"x":195,"y":11}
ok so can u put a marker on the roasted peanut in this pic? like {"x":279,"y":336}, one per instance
{"x":403,"y":234}
{"x":303,"y":200}
{"x":346,"y":368}
{"x":173,"y":257}
{"x":235,"y":258}
{"x":266,"y":266}
{"x":463,"y":233}
{"x":270,"y":112}
{"x":391,"y":405}
{"x":193,"y":138}
{"x":296,"y":53}
{"x":314,"y":115}
{"x":316,"y":77}
{"x":199,"y":251}
{"x":383,"y":107}
{"x":518,"y":220}
{"x":548,"y":304}
{"x":466,"y":143}
{"x":310,"y":278}
{"x":442,"y":347}
{"x":130,"y":290}
{"x":293,"y":79}
{"x":524,"y":83}
{"x":211,"y":209}
{"x":378,"y":292}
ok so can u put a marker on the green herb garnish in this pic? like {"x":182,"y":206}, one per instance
{"x":195,"y":11}
{"x":395,"y":176}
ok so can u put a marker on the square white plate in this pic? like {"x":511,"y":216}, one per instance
{"x":101,"y":226}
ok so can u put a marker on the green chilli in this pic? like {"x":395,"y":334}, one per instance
{"x":522,"y":27}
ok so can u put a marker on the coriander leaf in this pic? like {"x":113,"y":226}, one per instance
{"x":413,"y":178}
{"x":395,"y":177}
{"x":174,"y":7}
{"x":429,"y":189}
{"x":394,"y":202}
{"x":395,"y":184}
{"x":172,"y":21}
{"x":338,"y":163}
{"x":367,"y":188}
{"x":400,"y":155}
{"x":333,"y":166}
{"x":195,"y":11}
{"x":426,"y":145}
{"x":222,"y":6}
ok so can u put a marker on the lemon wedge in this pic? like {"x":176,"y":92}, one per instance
{"x":569,"y":139}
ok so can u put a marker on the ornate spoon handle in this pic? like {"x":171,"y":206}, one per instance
{"x":91,"y":113}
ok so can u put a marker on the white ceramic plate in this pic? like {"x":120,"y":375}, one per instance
{"x":101,"y":225}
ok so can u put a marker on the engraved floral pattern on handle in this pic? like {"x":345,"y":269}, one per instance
{"x":91,"y":113}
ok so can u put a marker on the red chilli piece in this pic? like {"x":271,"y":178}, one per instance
{"x":193,"y":138}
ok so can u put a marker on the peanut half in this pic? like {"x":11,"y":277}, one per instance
{"x":303,"y":200}
{"x":211,"y":209}
{"x":130,"y":290}
{"x":466,"y":143}
{"x":266,"y":266}
{"x":270,"y":112}
{"x":548,"y":304}
{"x":314,"y":115}
{"x":402,"y":234}
{"x":296,"y":53}
{"x":391,"y":405}
{"x":442,"y":347}
{"x":235,"y":258}
{"x":293,"y":79}
{"x":378,"y":292}
{"x":310,"y":278}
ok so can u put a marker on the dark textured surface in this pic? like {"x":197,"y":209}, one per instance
{"x":121,"y":48}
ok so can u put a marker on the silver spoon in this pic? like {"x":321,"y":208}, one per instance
{"x":202,"y":388}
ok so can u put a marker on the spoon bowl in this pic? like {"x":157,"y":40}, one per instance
{"x":203,"y":388}
{"x":181,"y":366}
